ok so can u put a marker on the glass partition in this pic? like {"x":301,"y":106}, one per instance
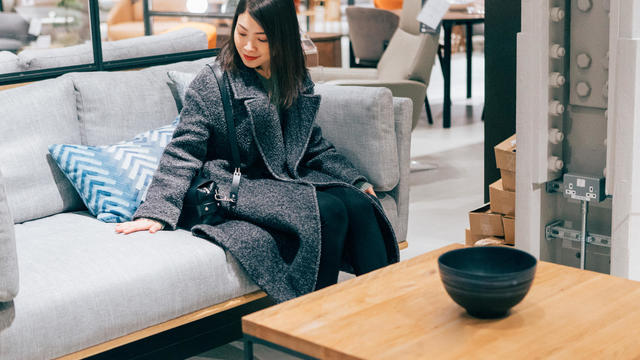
{"x":128,"y":19}
{"x":42,"y":34}
{"x":42,"y":39}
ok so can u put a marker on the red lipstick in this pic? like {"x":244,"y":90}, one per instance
{"x":250,"y":58}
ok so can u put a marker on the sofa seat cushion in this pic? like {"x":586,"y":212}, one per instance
{"x":365,"y":134}
{"x":82,"y":284}
{"x":32,"y":117}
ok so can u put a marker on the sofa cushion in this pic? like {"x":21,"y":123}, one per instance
{"x":183,"y":66}
{"x":113,"y":180}
{"x":81,"y":283}
{"x":8,"y":259}
{"x":187,"y":39}
{"x":36,"y":59}
{"x":169,"y":43}
{"x":365,"y":134}
{"x":9,"y":63}
{"x":32,"y":117}
{"x":179,"y":83}
{"x":116,"y":106}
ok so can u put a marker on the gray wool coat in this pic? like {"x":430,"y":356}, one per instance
{"x":274,"y":229}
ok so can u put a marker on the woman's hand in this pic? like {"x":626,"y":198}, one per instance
{"x":141,"y":224}
{"x":370,"y":191}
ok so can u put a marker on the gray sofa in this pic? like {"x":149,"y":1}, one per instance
{"x":187,"y":39}
{"x":68,"y":282}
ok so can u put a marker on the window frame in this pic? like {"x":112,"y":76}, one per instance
{"x":98,"y":63}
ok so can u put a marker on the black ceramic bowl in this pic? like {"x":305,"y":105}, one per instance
{"x":487,"y":281}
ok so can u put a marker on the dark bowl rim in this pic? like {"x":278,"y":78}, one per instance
{"x":452,"y":269}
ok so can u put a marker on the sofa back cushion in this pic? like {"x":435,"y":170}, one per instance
{"x":36,"y":59}
{"x":359,"y":121}
{"x":116,"y":106}
{"x":32,"y":117}
{"x":182,"y":40}
{"x":9,"y":63}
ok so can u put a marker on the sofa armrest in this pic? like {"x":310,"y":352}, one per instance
{"x":402,"y":114}
{"x":121,"y":12}
{"x":320,"y":74}
{"x":8,"y":255}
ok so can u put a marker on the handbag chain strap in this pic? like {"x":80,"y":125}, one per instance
{"x":231,"y":134}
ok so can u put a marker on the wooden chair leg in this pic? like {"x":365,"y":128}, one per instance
{"x":428,"y":109}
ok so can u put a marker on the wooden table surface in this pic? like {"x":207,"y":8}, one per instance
{"x":403,"y":312}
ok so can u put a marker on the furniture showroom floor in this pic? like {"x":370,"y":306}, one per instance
{"x":440,"y":198}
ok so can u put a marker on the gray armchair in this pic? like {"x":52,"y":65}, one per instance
{"x":370,"y":30}
{"x":14,"y":32}
{"x":404,"y":68}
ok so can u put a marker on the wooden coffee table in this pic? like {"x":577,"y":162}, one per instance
{"x":403,"y":312}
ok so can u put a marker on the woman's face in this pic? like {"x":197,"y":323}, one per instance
{"x":251,"y":43}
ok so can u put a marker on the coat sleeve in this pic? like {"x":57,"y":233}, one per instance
{"x":185,"y":153}
{"x":322,"y":156}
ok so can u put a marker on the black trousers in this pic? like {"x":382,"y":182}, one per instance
{"x":349,"y":229}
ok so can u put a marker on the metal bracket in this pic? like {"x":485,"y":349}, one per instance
{"x":556,"y":230}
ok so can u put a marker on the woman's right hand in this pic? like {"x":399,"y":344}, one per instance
{"x":141,"y":224}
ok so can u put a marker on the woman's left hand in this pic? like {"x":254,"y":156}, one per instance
{"x":370,"y":191}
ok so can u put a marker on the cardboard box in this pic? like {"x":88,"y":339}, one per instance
{"x":485,"y":223}
{"x":509,"y":225}
{"x":471,"y":239}
{"x":506,"y":154}
{"x":502,"y":201}
{"x":508,"y":179}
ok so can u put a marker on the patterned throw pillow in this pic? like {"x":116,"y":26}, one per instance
{"x":112,"y":180}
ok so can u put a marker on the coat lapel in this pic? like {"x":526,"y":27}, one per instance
{"x":266,"y":122}
{"x":267,"y":133}
{"x":264,"y":118}
{"x":300,"y":120}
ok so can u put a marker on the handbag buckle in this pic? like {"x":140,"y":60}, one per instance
{"x":220,"y":197}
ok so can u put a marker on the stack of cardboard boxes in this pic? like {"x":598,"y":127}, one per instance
{"x":494,"y":223}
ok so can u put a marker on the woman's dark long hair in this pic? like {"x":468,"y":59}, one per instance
{"x":280,"y":24}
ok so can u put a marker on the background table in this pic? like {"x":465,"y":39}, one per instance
{"x":451,"y":19}
{"x":329,"y":48}
{"x":403,"y":312}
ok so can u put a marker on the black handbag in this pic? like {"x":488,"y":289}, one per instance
{"x":202,"y":202}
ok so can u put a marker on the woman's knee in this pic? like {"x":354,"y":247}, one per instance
{"x":332,"y":209}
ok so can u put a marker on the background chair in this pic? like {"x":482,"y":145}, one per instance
{"x":126,"y":20}
{"x":370,"y":31}
{"x":14,"y":32}
{"x":405,"y":65}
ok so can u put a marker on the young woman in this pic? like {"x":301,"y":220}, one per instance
{"x":302,"y":209}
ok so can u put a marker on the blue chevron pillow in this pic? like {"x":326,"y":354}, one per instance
{"x":112,"y":180}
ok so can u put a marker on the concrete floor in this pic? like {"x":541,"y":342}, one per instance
{"x":440,"y":198}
